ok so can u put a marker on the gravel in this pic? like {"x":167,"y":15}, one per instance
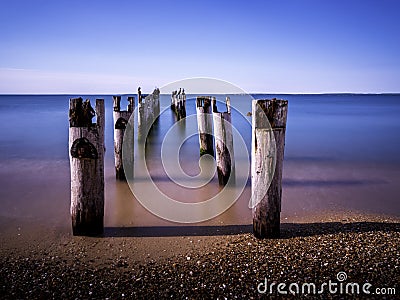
{"x":202,"y":267}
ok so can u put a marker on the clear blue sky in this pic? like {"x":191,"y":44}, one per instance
{"x":261,"y":46}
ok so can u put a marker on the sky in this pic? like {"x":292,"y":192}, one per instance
{"x":96,"y":46}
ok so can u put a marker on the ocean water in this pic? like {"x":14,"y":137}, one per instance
{"x":342,"y":153}
{"x":336,"y":127}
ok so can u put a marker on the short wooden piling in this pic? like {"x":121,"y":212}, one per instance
{"x":86,"y":145}
{"x":180,"y":109}
{"x":139,"y":92}
{"x":224,"y":144}
{"x":156,"y":97}
{"x":204,"y":123}
{"x":178,"y":104}
{"x":213,"y":104}
{"x":121,"y":119}
{"x":268,"y":124}
{"x":141,"y":121}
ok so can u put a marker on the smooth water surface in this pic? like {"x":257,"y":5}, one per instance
{"x":341,"y":154}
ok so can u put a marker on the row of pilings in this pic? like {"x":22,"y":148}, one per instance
{"x":86,"y":152}
{"x":178,"y":105}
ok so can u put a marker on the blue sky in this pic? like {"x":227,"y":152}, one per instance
{"x":262,"y":46}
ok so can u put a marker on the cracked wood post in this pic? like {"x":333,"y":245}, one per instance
{"x":144,"y":116}
{"x":267,"y":200}
{"x":178,"y":105}
{"x":141,"y":121}
{"x":204,"y":123}
{"x":156,"y":94}
{"x":86,"y":154}
{"x":181,"y":112}
{"x":121,"y":119}
{"x":148,"y":111}
{"x":150,"y":107}
{"x":156,"y":103}
{"x":224,"y":144}
{"x":173,"y":101}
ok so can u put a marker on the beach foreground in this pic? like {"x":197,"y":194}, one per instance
{"x":198,"y":262}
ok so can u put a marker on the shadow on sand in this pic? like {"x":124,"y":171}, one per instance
{"x":329,"y":183}
{"x":288,"y":230}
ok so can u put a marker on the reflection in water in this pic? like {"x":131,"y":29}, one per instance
{"x":123,"y":204}
{"x":347,"y":158}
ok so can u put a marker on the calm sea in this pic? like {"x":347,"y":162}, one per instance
{"x":342,"y":152}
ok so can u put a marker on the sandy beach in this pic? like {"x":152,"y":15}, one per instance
{"x":38,"y":261}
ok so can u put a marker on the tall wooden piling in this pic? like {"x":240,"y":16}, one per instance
{"x":224,"y":143}
{"x":267,"y":203}
{"x":204,"y":123}
{"x":121,"y":119}
{"x":86,"y":145}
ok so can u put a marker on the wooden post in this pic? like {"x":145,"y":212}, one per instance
{"x":178,"y":104}
{"x":224,"y":143}
{"x":213,"y":104}
{"x":121,"y":119}
{"x":139,"y":92}
{"x":267,"y":203}
{"x":131,"y":105}
{"x":141,"y":120}
{"x":156,"y":95}
{"x":86,"y":145}
{"x":148,"y":110}
{"x":173,"y":101}
{"x":181,"y":109}
{"x":204,"y":123}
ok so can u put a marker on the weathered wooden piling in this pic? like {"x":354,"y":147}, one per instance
{"x":86,"y":145}
{"x":121,"y":119}
{"x":148,"y":111}
{"x":224,"y":143}
{"x":267,"y":203}
{"x":178,"y":104}
{"x":139,"y":92}
{"x":141,"y":118}
{"x":213,"y":103}
{"x":204,"y":124}
{"x":156,"y":97}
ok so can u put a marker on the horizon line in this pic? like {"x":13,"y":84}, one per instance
{"x":250,"y":93}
